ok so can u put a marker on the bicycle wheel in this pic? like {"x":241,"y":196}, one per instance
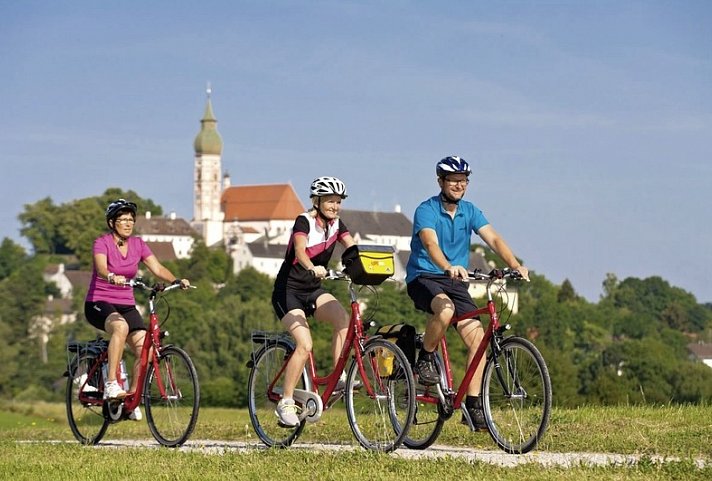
{"x":85,"y":415}
{"x":516,"y":396}
{"x":264,"y":389}
{"x":171,"y":397}
{"x":429,"y":417}
{"x":380,"y":410}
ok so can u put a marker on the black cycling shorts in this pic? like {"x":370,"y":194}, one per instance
{"x":423,"y":289}
{"x":285,"y":300}
{"x":97,"y":312}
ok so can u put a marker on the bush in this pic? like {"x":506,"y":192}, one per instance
{"x":219,"y":392}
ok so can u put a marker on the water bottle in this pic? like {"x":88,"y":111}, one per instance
{"x":123,"y":377}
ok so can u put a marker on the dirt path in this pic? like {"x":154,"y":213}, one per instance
{"x":438,"y":451}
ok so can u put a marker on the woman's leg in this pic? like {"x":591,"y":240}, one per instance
{"x":328,"y":309}
{"x":135,"y":342}
{"x":295,"y":322}
{"x":118,"y":329}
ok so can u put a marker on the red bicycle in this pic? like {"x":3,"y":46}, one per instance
{"x":379,"y":392}
{"x":516,"y":388}
{"x":167,"y":385}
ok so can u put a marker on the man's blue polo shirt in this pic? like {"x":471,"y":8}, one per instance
{"x":453,"y":235}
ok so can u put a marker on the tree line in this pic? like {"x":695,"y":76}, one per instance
{"x":629,"y":347}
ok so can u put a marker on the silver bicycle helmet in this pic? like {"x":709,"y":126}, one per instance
{"x":328,"y":186}
{"x":452,"y":165}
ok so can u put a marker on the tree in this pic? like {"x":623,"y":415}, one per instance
{"x":12,"y":256}
{"x":8,"y":359}
{"x":81,"y":221}
{"x":40,"y":222}
{"x":567,"y":292}
{"x":70,"y":228}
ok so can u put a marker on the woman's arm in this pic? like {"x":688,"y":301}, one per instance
{"x":162,"y":272}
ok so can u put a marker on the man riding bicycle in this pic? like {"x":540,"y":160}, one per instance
{"x":437,"y":270}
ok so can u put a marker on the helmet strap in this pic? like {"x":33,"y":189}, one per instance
{"x":319,"y":213}
{"x":448,"y":200}
{"x":121,"y":239}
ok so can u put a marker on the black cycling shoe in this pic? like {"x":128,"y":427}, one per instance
{"x":477,"y":416}
{"x":427,"y":371}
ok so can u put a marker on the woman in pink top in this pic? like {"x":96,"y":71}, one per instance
{"x":110,"y":305}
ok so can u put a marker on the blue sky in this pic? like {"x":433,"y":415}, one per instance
{"x":588,"y":124}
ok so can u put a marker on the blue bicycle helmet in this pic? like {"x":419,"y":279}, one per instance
{"x":452,"y":165}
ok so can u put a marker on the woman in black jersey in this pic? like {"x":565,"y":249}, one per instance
{"x":297,"y":290}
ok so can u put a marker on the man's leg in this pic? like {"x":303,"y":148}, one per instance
{"x":472,"y":334}
{"x":443,"y":310}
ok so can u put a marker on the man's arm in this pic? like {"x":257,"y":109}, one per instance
{"x":430,"y":241}
{"x":500,"y":247}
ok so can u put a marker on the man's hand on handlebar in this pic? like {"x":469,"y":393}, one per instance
{"x":524,"y":272}
{"x":457,"y":272}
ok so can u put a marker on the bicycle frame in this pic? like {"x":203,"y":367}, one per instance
{"x":354,"y":341}
{"x":149,"y":353}
{"x":493,"y":326}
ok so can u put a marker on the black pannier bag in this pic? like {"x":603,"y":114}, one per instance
{"x":403,"y":336}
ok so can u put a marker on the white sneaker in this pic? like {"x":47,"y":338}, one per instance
{"x":112,"y":390}
{"x":136,"y":415}
{"x":84,"y":386}
{"x":287,"y":413}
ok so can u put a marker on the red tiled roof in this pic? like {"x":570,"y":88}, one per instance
{"x":260,"y":203}
{"x":700,"y":350}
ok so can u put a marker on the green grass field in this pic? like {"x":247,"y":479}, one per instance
{"x":681,"y":432}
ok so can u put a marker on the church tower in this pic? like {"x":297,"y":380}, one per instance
{"x":207,"y":214}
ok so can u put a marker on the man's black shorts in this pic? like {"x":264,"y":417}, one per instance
{"x":423,"y":289}
{"x":97,"y":312}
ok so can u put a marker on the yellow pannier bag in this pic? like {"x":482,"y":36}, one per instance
{"x":368,"y":264}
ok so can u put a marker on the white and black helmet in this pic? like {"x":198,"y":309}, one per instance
{"x":452,"y":165}
{"x":118,"y":206}
{"x":328,"y":186}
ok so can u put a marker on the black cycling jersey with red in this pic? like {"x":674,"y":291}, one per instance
{"x":321,"y":241}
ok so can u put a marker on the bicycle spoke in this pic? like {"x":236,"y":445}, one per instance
{"x":171,"y":397}
{"x":264,"y":391}
{"x":84,"y":400}
{"x":517,"y":396}
{"x":381,"y":410}
{"x":428,"y":420}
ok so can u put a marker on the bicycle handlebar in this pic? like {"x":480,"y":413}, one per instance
{"x":333,"y":274}
{"x":138,"y":283}
{"x":494,"y":274}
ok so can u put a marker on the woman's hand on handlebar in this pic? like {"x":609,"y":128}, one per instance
{"x":319,"y":271}
{"x":184,"y":283}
